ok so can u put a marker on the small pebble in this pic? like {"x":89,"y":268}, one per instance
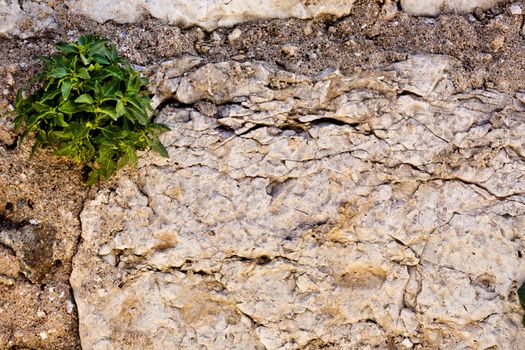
{"x":515,"y":9}
{"x":43,"y":335}
{"x":407,"y":343}
{"x":234,"y":35}
{"x":389,"y":10}
{"x":216,"y":39}
{"x":69,"y":306}
{"x":290,"y":50}
{"x":350,"y":43}
{"x":308,"y":29}
{"x":10,"y":80}
{"x":8,"y":281}
{"x":498,"y":43}
{"x":239,"y":57}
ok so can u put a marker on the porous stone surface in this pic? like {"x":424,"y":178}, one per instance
{"x":435,"y":7}
{"x":208,"y":14}
{"x":372,"y":210}
{"x":25,"y":19}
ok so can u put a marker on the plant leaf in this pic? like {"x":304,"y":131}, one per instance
{"x":137,"y":115}
{"x":157,"y":146}
{"x":114,"y":71}
{"x":67,"y":149}
{"x":83,"y":73}
{"x":59,"y":120}
{"x":66,"y":88}
{"x":101,"y":59}
{"x":521,"y":295}
{"x":98,"y":48}
{"x":49,"y":95}
{"x":112,"y":53}
{"x":66,"y":48}
{"x":57,"y":73}
{"x":159,"y":126}
{"x":69,"y":107}
{"x":93,"y":178}
{"x":85,"y":59}
{"x":121,"y":110}
{"x":85,"y":98}
{"x":108,"y":111}
{"x":110,"y":88}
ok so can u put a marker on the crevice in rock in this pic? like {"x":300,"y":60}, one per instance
{"x":251,"y":318}
{"x":6,"y":224}
{"x":259,"y":260}
{"x":10,"y":146}
{"x":75,"y":310}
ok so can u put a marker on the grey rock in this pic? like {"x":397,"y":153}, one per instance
{"x":515,"y":9}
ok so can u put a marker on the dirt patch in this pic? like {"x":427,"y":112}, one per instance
{"x":40,"y":199}
{"x":37,"y":310}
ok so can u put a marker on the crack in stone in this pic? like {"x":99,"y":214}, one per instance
{"x":235,"y":197}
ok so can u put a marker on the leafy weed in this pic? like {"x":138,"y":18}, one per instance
{"x":521,"y":296}
{"x":91,"y":106}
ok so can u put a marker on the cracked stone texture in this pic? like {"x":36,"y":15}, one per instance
{"x":25,"y":19}
{"x":377,"y":210}
{"x":435,"y":7}
{"x":208,"y":14}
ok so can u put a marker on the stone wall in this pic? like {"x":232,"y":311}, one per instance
{"x":373,"y":206}
{"x":339,"y":211}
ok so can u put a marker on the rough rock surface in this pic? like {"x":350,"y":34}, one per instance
{"x":435,"y":7}
{"x":208,"y":14}
{"x":382,"y":209}
{"x":25,"y":19}
{"x":286,"y":128}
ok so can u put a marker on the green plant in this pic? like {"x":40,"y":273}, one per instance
{"x":521,"y":296}
{"x":90,"y":106}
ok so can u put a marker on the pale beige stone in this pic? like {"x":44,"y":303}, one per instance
{"x":435,"y":7}
{"x":208,"y":14}
{"x":26,"y":19}
{"x":309,"y":211}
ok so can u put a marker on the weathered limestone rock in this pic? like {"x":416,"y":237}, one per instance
{"x":33,"y":18}
{"x":299,"y":212}
{"x":435,"y":7}
{"x":25,"y":19}
{"x":208,"y":14}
